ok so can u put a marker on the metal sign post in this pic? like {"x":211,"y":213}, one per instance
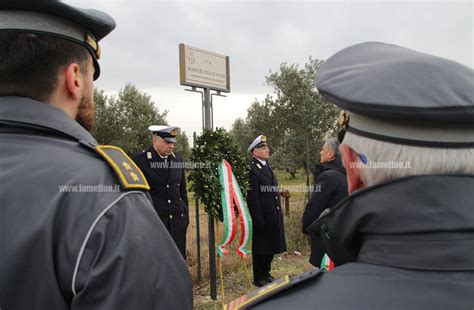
{"x":207,"y":120}
{"x":198,"y":232}
{"x":208,"y":71}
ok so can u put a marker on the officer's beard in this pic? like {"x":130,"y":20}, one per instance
{"x":86,"y":113}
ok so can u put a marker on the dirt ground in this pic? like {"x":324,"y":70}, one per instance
{"x":237,"y":283}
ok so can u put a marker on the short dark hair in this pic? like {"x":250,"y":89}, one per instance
{"x":30,"y":63}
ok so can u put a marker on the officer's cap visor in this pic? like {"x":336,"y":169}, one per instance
{"x":260,"y":145}
{"x":168,"y":137}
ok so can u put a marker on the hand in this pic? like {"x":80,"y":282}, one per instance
{"x":285,"y":193}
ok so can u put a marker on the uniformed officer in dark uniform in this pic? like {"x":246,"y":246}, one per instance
{"x":164,"y":171}
{"x":264,"y":204}
{"x":78,"y":230}
{"x":404,"y":237}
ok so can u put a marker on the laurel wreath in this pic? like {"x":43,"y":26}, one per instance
{"x":211,"y":148}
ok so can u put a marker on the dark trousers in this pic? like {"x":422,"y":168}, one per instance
{"x":317,"y":253}
{"x":262,"y":265}
{"x":177,"y":232}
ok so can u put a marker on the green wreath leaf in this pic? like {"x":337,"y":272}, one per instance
{"x":211,"y":148}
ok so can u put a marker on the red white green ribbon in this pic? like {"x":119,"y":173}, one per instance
{"x":230,"y":194}
{"x":327,"y":263}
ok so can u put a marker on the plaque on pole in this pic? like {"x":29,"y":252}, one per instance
{"x":204,"y":69}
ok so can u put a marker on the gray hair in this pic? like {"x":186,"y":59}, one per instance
{"x":333,"y":145}
{"x":387,"y":161}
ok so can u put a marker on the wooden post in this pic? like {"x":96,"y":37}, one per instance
{"x":286,"y":194}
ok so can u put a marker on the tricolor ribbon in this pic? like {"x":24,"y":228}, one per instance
{"x":230,"y":194}
{"x":327,"y":263}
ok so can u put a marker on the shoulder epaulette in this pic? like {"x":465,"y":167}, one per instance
{"x":265,"y":292}
{"x":129,"y":174}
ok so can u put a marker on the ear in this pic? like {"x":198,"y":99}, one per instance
{"x":74,"y":80}
{"x":349,"y":159}
{"x":332,"y":155}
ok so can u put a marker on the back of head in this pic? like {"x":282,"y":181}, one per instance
{"x":409,"y":113}
{"x":388,"y":161}
{"x":30,"y":63}
{"x":39,"y":38}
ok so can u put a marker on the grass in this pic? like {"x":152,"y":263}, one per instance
{"x":236,"y":271}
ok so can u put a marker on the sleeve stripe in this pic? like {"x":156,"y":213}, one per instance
{"x":86,"y":239}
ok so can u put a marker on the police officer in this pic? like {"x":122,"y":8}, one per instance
{"x":263,"y":201}
{"x":404,"y":237}
{"x":77,"y":227}
{"x":164,"y":171}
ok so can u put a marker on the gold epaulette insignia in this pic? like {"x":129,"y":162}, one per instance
{"x":256,"y":296}
{"x":129,"y":174}
{"x":267,"y":291}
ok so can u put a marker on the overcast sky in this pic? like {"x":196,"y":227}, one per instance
{"x":258,"y":36}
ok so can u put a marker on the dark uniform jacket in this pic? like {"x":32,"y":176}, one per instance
{"x":405,"y":244}
{"x":330,"y":188}
{"x":263,"y":200}
{"x":168,"y":191}
{"x":64,"y":246}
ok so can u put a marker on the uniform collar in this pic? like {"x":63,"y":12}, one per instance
{"x":160,"y":156}
{"x":422,"y":222}
{"x":157,"y":155}
{"x":263,"y":162}
{"x":26,"y":112}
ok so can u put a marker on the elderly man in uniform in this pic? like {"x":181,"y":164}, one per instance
{"x":165,"y":173}
{"x":78,"y":230}
{"x":263,"y":200}
{"x":404,"y":237}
